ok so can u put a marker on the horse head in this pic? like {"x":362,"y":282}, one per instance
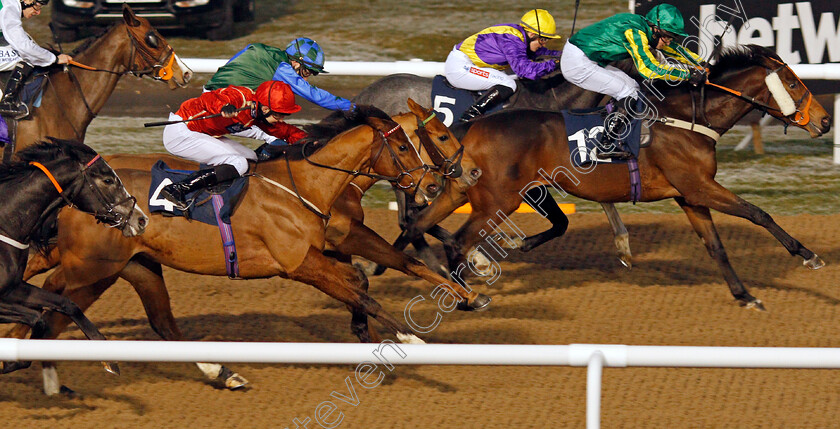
{"x":440,"y":146}
{"x":768,"y":83}
{"x":151,"y":53}
{"x":86,"y":182}
{"x":403,"y":162}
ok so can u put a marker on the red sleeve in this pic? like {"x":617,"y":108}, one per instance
{"x":214,"y":100}
{"x":284,"y":131}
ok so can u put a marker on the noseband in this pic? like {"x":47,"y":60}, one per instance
{"x":107,"y":215}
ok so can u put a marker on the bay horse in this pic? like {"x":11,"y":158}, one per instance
{"x":678,"y":164}
{"x":552,"y":93}
{"x":48,"y":176}
{"x":346,"y":235}
{"x":72,"y":98}
{"x":279,"y":236}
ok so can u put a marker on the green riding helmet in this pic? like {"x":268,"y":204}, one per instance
{"x":668,"y":18}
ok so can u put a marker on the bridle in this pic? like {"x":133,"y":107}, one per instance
{"x":107,"y":215}
{"x":800,"y":116}
{"x":447,"y":167}
{"x":395,"y":180}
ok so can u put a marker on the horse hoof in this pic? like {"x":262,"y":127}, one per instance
{"x":480,"y":303}
{"x":112,"y":367}
{"x":756,"y":304}
{"x":235,"y":381}
{"x":409,"y":339}
{"x":625,"y":260}
{"x":68,"y":393}
{"x":815,"y":263}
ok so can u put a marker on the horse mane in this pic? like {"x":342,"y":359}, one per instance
{"x":741,"y":57}
{"x":46,"y":151}
{"x":89,"y":41}
{"x":334,"y":124}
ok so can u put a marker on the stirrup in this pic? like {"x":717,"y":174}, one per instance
{"x":620,"y":155}
{"x":14,"y":111}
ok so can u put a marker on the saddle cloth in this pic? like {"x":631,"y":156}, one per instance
{"x":202,"y":210}
{"x":584,"y":128}
{"x":450,"y":102}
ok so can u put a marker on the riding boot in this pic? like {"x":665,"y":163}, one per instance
{"x":176,"y":193}
{"x":10,"y":105}
{"x":615,"y":129}
{"x":493,"y":97}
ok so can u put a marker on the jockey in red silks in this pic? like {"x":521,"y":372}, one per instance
{"x":204,"y":140}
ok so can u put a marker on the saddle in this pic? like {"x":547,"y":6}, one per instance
{"x":585,"y":127}
{"x":202,"y":209}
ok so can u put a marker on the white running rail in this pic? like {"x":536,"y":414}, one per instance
{"x":592,"y":356}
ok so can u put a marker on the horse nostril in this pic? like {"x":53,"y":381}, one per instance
{"x":187,"y":76}
{"x":142,"y":222}
{"x":826,"y":122}
{"x":475,"y":173}
{"x":433,"y":188}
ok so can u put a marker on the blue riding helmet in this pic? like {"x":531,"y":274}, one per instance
{"x":307,"y":52}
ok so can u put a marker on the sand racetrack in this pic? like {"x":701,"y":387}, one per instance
{"x":572,"y":290}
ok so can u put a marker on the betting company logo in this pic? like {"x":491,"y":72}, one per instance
{"x":479,"y":72}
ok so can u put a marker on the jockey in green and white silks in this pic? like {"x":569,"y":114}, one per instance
{"x":587,"y":54}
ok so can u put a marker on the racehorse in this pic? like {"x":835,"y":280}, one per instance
{"x":280,"y":236}
{"x":551,"y":93}
{"x":679,"y":163}
{"x":49,"y":176}
{"x":72,"y":98}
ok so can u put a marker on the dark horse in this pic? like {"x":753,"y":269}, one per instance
{"x":74,"y":96}
{"x":511,"y":146}
{"x":49,"y":176}
{"x":277,"y":234}
{"x":552,"y":93}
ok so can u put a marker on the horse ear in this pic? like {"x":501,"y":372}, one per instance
{"x":416,"y":108}
{"x":129,"y":17}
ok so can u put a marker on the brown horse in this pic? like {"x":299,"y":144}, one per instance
{"x":346,"y":235}
{"x":279,"y":236}
{"x":511,"y":147}
{"x":74,"y":96}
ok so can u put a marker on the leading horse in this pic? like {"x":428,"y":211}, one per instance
{"x":49,"y":176}
{"x":679,"y":163}
{"x":279,"y":234}
{"x":551,"y":93}
{"x":73,"y":96}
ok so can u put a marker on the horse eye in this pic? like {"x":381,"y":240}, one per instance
{"x":793,"y":85}
{"x":109,"y":181}
{"x":152,"y":40}
{"x":403,"y":148}
{"x":443,"y":138}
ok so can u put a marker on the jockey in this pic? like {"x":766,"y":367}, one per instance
{"x":19,"y":52}
{"x":258,"y":63}
{"x":587,"y":53}
{"x":478,"y":62}
{"x":203,"y":140}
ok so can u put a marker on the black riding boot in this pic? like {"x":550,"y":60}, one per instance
{"x":10,"y":105}
{"x":494,"y":96}
{"x":176,"y":193}
{"x":615,"y":129}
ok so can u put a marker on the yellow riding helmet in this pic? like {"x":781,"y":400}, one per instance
{"x":540,"y":22}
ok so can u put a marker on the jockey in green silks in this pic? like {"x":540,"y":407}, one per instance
{"x":587,"y":54}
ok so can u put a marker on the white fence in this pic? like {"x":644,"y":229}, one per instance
{"x":593,"y":356}
{"x":430,"y":69}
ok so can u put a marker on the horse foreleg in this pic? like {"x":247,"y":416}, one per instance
{"x":365,"y":242}
{"x":620,"y":234}
{"x":10,"y":313}
{"x":146,"y":276}
{"x":346,"y":284}
{"x":715,"y":196}
{"x":701,"y":220}
{"x":40,"y":263}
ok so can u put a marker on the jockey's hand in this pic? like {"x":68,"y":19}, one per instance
{"x":697,"y":76}
{"x":228,"y":111}
{"x":63,"y":59}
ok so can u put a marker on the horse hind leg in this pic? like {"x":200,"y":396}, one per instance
{"x":146,"y":277}
{"x":543,"y":203}
{"x":10,"y":313}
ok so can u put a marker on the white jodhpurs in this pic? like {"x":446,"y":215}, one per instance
{"x":462,"y":73}
{"x":199,"y":147}
{"x":580,"y":70}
